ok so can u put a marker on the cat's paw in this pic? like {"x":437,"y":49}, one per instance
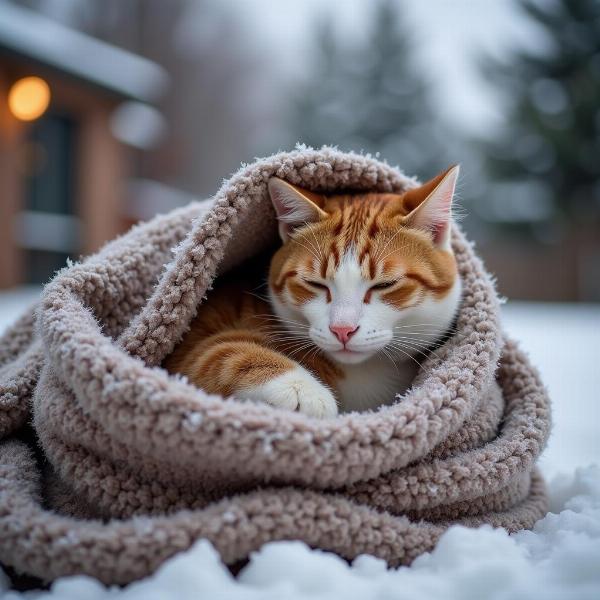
{"x":296,"y":390}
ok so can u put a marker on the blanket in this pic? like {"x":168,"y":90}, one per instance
{"x":109,"y":465}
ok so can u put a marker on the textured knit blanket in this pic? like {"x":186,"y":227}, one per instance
{"x":108,"y":465}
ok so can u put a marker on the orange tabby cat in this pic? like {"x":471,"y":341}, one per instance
{"x":362,"y":285}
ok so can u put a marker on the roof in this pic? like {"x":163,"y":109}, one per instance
{"x":40,"y":40}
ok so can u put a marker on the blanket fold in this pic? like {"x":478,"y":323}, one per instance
{"x":133,"y":465}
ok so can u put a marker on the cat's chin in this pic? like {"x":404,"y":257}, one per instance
{"x":349,"y":357}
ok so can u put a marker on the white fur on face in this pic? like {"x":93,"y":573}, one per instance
{"x":403,"y":333}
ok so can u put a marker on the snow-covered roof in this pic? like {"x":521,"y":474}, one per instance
{"x":28,"y":34}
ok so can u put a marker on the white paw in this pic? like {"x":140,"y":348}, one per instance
{"x":296,"y":390}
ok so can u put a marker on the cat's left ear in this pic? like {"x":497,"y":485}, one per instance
{"x":432,"y":204}
{"x":294,"y":206}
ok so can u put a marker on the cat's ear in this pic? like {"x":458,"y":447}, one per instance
{"x":294,"y":206}
{"x":430,"y":206}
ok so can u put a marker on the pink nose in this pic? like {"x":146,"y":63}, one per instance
{"x":343,"y":332}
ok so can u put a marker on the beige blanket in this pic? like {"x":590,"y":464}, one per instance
{"x":108,"y":465}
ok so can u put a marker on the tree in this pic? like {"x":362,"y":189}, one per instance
{"x":371,"y":96}
{"x":548,"y":152}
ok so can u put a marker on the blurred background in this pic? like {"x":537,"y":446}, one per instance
{"x":114,"y":110}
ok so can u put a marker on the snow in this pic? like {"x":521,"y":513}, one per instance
{"x":14,"y":302}
{"x":559,"y":559}
{"x":563,"y":342}
{"x":192,"y":421}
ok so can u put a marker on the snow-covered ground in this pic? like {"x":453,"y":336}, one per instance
{"x":563,"y":341}
{"x":559,"y":559}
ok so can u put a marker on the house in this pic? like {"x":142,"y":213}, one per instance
{"x":73,"y":110}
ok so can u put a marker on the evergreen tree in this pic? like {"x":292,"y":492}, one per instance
{"x":369,"y":95}
{"x":549,"y":149}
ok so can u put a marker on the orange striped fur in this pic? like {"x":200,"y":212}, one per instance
{"x":361,"y":287}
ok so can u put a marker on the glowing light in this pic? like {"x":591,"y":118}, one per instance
{"x":29,"y":98}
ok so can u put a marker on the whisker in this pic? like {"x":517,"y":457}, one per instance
{"x":311,"y":352}
{"x":391,"y":359}
{"x":413,"y":359}
{"x":307,"y":347}
{"x":275,"y":317}
{"x":284,"y":328}
{"x":418,"y":349}
{"x":423,"y":350}
{"x":311,"y":252}
{"x":393,"y":250}
{"x":409,"y":325}
{"x":285,"y":324}
{"x":431,"y":336}
{"x":263,"y":298}
{"x":389,"y":240}
{"x":438,"y":337}
{"x":286,"y":331}
{"x":295,"y":349}
{"x":288,"y":335}
{"x":416,"y":343}
{"x":292,"y":343}
{"x":287,"y":340}
{"x":428,"y":330}
{"x":314,"y":246}
{"x":320,"y":249}
{"x":403,"y":346}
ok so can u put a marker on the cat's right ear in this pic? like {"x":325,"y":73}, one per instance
{"x":294,"y":206}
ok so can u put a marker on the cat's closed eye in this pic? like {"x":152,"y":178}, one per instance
{"x":384,"y":285}
{"x":315,"y":284}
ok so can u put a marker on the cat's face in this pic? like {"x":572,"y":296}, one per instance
{"x":364,"y":274}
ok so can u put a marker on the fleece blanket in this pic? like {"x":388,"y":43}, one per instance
{"x":108,"y":465}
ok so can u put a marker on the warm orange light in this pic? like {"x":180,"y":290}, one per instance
{"x":29,"y":98}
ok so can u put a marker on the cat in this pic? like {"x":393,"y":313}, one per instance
{"x":361,"y":287}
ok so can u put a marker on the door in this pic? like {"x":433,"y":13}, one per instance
{"x":48,"y":227}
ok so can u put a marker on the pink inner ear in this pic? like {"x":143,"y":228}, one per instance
{"x":281,"y":208}
{"x":441,"y":213}
{"x":439,"y":231}
{"x":433,"y":214}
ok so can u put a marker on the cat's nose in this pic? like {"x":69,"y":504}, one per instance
{"x":343,"y":332}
